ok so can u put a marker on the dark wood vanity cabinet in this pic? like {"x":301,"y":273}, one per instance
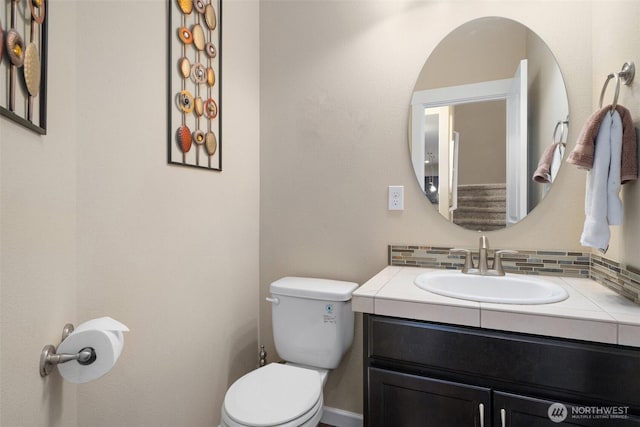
{"x":427,"y":374}
{"x":399,"y":399}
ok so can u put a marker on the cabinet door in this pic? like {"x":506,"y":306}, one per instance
{"x":402,"y":400}
{"x":511,"y":410}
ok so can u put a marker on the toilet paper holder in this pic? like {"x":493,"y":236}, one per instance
{"x":49,"y":358}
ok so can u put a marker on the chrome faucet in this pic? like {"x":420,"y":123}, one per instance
{"x":482,"y":255}
{"x":483,"y":266}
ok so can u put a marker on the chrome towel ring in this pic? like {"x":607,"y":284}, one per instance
{"x":625,"y":75}
{"x":561,"y":125}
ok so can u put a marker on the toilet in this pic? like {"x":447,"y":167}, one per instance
{"x":312,"y":329}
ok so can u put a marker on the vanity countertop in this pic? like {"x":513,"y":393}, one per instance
{"x":592,"y":312}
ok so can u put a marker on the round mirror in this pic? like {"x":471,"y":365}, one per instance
{"x":489,"y":121}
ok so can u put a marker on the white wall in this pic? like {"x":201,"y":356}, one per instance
{"x":94,"y":222}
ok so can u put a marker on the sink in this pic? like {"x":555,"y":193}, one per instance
{"x":508,"y":289}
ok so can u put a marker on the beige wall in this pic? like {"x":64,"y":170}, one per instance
{"x":613,"y":46}
{"x":38,"y":252}
{"x":474,"y":52}
{"x":94,"y":222}
{"x":482,"y":152}
{"x":336,"y":82}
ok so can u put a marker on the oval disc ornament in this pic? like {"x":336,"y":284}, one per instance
{"x":210,"y":17}
{"x":186,"y":6}
{"x":184,"y":138}
{"x":210,"y":143}
{"x":32,"y":69}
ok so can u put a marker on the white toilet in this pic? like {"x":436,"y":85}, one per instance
{"x":312,"y":329}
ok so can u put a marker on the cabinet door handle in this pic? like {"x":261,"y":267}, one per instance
{"x":481,"y":411}
{"x":503,"y":417}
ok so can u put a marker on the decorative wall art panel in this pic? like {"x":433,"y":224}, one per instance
{"x":23,"y":62}
{"x":194,"y":83}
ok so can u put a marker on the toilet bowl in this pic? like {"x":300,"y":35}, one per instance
{"x":283,"y":395}
{"x":312,"y":329}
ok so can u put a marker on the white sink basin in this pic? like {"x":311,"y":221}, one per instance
{"x":509,"y":289}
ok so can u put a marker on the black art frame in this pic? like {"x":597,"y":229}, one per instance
{"x":18,"y":14}
{"x":180,"y":113}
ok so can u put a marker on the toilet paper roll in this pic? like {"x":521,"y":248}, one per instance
{"x":105,"y":336}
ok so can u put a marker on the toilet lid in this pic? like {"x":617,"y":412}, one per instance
{"x":272,"y":395}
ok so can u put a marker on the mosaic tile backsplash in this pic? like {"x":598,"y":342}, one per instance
{"x":623,"y":280}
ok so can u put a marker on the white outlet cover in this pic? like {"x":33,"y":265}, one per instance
{"x":396,"y":198}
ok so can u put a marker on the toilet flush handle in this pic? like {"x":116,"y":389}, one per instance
{"x":274,"y":301}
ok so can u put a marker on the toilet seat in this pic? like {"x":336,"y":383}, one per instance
{"x":310,"y":419}
{"x":274,"y":395}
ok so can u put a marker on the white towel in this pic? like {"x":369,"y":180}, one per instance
{"x":614,"y":204}
{"x":602,"y":201}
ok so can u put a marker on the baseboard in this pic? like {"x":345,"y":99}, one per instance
{"x":340,"y":418}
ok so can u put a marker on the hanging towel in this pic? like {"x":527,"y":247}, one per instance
{"x":542,"y":174}
{"x":602,"y":202}
{"x":582,"y":154}
{"x":558,"y":155}
{"x":629,"y":161}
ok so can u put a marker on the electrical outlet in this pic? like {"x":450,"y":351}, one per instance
{"x":396,"y":197}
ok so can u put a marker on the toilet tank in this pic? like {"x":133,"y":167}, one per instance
{"x":312,"y":320}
